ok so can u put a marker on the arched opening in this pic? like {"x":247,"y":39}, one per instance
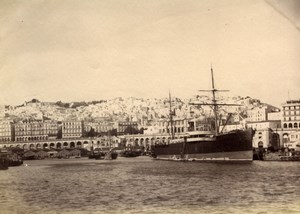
{"x":85,"y":144}
{"x":72,"y":145}
{"x":78,"y":144}
{"x":285,"y":125}
{"x":45,"y":146}
{"x":285,"y":137}
{"x":65,"y":145}
{"x":52,"y":145}
{"x":136,"y":142}
{"x":31,"y":146}
{"x":38,"y":146}
{"x":290,"y":125}
{"x":260,"y":144}
{"x":295,"y":125}
{"x":24,"y":146}
{"x":58,"y":145}
{"x":147,"y":144}
{"x":142,"y":142}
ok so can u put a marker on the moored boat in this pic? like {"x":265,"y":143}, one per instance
{"x":130,"y":153}
{"x":4,"y":162}
{"x":111,"y":155}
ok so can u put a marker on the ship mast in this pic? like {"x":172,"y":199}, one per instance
{"x":214,"y":104}
{"x":171,"y":113}
{"x":214,"y":101}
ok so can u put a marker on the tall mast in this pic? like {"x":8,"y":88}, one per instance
{"x":171,"y":116}
{"x":214,"y":104}
{"x":214,"y":101}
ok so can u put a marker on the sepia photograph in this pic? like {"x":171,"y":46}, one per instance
{"x":149,"y":106}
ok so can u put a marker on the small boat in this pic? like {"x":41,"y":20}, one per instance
{"x":130,"y":153}
{"x":282,"y":156}
{"x":111,"y":155}
{"x":4,"y":161}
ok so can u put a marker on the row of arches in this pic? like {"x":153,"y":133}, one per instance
{"x":291,"y":125}
{"x":36,"y":138}
{"x":49,"y":145}
{"x":142,"y":141}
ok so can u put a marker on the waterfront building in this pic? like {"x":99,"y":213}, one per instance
{"x":266,"y":135}
{"x":6,"y":131}
{"x":51,"y":129}
{"x":72,"y":129}
{"x":28,"y":130}
{"x":291,"y":115}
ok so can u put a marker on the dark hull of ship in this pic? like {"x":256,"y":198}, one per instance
{"x":234,"y":146}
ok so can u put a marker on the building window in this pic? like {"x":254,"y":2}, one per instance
{"x":290,"y":125}
{"x":295,"y":125}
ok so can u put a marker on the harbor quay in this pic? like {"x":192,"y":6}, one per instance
{"x":144,"y":141}
{"x":125,"y":141}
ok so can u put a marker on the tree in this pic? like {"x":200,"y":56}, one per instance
{"x":59,"y":133}
{"x":112,"y":132}
{"x":141,"y":130}
{"x":91,"y":133}
{"x":131,"y":130}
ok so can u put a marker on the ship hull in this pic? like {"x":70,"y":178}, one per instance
{"x":235,"y":146}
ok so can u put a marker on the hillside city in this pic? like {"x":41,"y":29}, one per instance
{"x":120,"y":117}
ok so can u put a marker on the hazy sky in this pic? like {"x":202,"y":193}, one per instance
{"x":74,"y":50}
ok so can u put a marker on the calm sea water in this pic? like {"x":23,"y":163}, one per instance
{"x":142,"y":185}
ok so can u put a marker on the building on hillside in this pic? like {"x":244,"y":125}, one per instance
{"x":6,"y":131}
{"x":260,"y":113}
{"x":275,"y":115}
{"x":291,"y":115}
{"x":151,"y":130}
{"x":181,"y":126}
{"x":72,"y":129}
{"x":126,"y":127}
{"x":33,"y":103}
{"x":104,"y":127}
{"x":98,"y":127}
{"x":204,"y":124}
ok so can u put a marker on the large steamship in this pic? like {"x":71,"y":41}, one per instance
{"x":207,"y":145}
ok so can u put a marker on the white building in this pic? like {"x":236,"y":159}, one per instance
{"x":72,"y":129}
